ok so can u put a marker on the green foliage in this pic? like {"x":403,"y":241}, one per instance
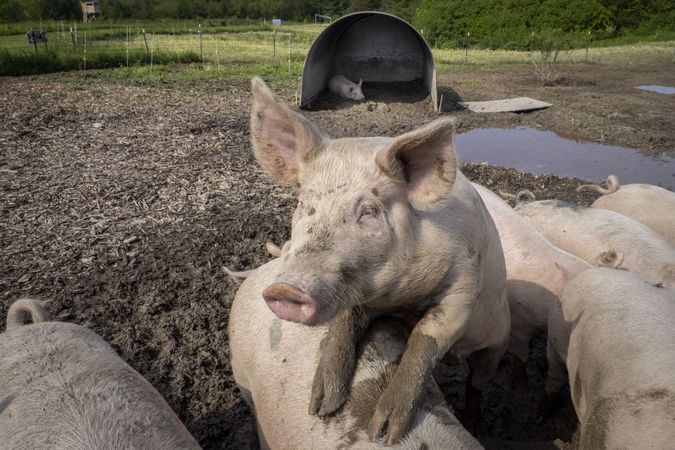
{"x":510,"y":23}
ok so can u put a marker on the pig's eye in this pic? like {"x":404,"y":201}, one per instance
{"x":368,"y":211}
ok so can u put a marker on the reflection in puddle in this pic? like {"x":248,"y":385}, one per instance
{"x":540,"y":152}
{"x":659,"y":89}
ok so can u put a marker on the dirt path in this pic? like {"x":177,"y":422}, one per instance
{"x":120,"y":205}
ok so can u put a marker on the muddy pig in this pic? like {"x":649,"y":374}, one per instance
{"x":589,"y":232}
{"x":615,"y":334}
{"x":648,"y":204}
{"x":536,"y":271}
{"x":341,"y":86}
{"x":383,"y":225}
{"x":273,"y":362}
{"x":62,"y":386}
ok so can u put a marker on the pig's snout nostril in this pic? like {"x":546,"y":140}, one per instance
{"x":290,"y":303}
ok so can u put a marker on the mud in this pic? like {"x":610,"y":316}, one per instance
{"x":120,"y":204}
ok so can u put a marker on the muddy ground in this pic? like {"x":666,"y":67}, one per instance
{"x":120,"y":204}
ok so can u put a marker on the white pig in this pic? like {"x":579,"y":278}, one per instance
{"x":616,"y":335}
{"x":588,"y":232}
{"x":341,"y":86}
{"x":62,"y":386}
{"x":383,"y":225}
{"x":273,"y":362}
{"x":648,"y":204}
{"x":536,"y":272}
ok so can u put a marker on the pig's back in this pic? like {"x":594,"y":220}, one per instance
{"x":278,"y":375}
{"x":650,"y":205}
{"x":588,"y":232}
{"x":62,"y":385}
{"x":274,"y":362}
{"x":621,"y":354}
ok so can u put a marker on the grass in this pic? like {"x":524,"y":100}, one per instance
{"x":174,"y":50}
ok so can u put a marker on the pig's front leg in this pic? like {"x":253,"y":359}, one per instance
{"x":432,"y":337}
{"x":337,"y":361}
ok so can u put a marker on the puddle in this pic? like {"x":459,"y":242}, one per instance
{"x":541,"y":152}
{"x":668,"y":90}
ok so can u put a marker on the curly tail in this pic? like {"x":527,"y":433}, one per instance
{"x":612,"y":186}
{"x":610,"y":258}
{"x":238,"y":277}
{"x":523,"y":195}
{"x":273,"y":249}
{"x":16,"y":316}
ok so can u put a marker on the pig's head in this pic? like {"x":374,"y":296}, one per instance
{"x":355,"y":92}
{"x":361,"y":200}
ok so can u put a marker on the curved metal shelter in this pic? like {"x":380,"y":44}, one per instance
{"x":373,"y":46}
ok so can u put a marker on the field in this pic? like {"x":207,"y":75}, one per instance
{"x":126,"y":190}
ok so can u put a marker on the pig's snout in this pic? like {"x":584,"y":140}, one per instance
{"x":290,"y":303}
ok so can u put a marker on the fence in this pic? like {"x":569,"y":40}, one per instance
{"x":81,"y":47}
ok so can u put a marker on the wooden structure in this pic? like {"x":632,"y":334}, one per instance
{"x":90,"y":9}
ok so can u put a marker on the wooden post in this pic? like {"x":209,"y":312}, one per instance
{"x":217,"y":57}
{"x":145,"y":39}
{"x":127,"y":45}
{"x":84,"y":53}
{"x":72,"y":38}
{"x":201,"y":43}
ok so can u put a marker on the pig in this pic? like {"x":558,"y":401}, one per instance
{"x":273,"y":362}
{"x":614,"y":333}
{"x":339,"y":85}
{"x":648,"y":204}
{"x":383,"y":226}
{"x":536,"y":271}
{"x":62,"y":386}
{"x":588,"y":232}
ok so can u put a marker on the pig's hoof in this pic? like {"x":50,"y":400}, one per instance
{"x":391,"y":419}
{"x":331,"y":385}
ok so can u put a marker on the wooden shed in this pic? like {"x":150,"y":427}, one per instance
{"x":372,"y":46}
{"x":90,"y":9}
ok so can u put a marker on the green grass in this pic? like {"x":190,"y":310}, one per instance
{"x":174,"y":50}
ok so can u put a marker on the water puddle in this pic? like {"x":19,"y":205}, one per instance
{"x":541,"y":152}
{"x":668,"y":90}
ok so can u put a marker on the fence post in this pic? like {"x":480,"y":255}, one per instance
{"x":73,"y":40}
{"x":145,"y":39}
{"x":274,"y":43}
{"x":127,"y":45}
{"x":84,"y":53}
{"x":289,"y":53}
{"x":152,"y":51}
{"x":217,"y":57}
{"x":201,"y":43}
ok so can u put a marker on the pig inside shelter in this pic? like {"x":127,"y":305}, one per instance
{"x":384,"y":51}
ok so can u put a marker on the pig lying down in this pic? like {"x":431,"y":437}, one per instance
{"x":62,"y":386}
{"x":273,"y":362}
{"x":588,"y":232}
{"x":536,"y":271}
{"x":341,"y":86}
{"x":615,"y":334}
{"x":648,"y":204}
{"x":383,"y":225}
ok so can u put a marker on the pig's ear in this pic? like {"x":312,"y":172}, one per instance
{"x":281,"y":138}
{"x":360,"y":81}
{"x":426,"y":160}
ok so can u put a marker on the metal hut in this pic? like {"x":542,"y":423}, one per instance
{"x":373,"y":46}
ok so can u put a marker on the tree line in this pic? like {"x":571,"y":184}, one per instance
{"x":488,"y":23}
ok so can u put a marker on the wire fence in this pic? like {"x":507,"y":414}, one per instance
{"x":77,"y":47}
